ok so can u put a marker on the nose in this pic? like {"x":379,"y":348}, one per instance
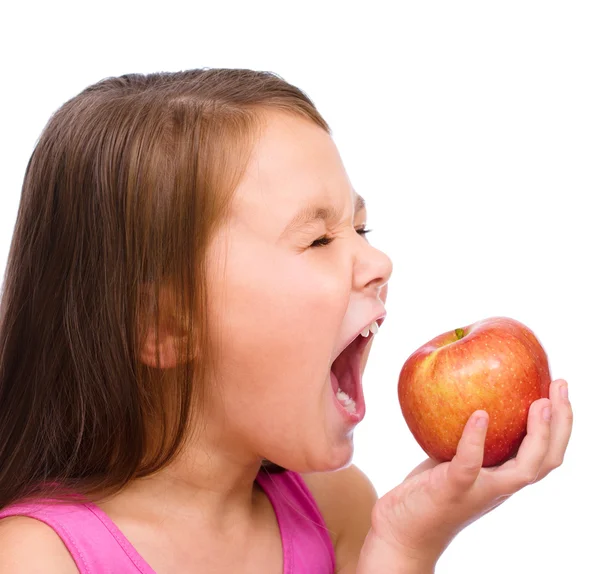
{"x":372,"y":269}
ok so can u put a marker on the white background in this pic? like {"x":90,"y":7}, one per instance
{"x":473,"y":131}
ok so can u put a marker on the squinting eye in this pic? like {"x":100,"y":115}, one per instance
{"x":326,"y":239}
{"x":322,"y":241}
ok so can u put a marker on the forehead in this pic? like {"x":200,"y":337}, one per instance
{"x":315,"y":212}
{"x":294,"y":164}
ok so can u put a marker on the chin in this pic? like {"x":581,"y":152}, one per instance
{"x":335,"y":457}
{"x":329,"y":458}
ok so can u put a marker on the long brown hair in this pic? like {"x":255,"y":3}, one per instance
{"x":127,"y":184}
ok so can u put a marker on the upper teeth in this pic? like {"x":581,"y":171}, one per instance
{"x":373,"y":328}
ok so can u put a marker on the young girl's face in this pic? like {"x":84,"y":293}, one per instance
{"x":284,"y":304}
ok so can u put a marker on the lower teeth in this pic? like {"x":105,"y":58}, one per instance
{"x":346,"y":401}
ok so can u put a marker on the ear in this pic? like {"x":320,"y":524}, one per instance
{"x":162,"y":339}
{"x":159,"y":347}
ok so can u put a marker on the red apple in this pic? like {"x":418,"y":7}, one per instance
{"x":497,"y":365}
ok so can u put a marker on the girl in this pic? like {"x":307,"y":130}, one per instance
{"x":188,"y":306}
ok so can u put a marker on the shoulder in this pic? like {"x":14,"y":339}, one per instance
{"x":345,"y":498}
{"x":31,"y":546}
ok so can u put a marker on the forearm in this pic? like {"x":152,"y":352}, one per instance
{"x":377,"y":557}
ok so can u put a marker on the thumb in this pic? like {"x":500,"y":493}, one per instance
{"x":464,"y":468}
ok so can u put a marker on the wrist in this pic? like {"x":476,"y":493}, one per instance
{"x":379,"y":557}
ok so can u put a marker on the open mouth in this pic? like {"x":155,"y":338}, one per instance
{"x":345,"y":372}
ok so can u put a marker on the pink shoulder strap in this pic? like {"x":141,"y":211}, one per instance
{"x":95,"y":543}
{"x":307,"y":546}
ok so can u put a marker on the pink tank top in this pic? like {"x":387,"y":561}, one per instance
{"x":98,"y":546}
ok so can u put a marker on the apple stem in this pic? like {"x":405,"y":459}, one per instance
{"x":460,"y":333}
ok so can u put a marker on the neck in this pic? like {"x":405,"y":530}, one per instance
{"x":208,"y":482}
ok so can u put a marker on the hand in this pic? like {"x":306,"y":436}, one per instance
{"x":422,"y":515}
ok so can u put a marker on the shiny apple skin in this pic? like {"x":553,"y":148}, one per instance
{"x":498,"y":365}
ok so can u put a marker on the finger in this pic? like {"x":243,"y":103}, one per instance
{"x":560,"y":428}
{"x":525,"y":468}
{"x":464,"y":468}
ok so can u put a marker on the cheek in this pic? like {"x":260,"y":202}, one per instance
{"x":279,"y":316}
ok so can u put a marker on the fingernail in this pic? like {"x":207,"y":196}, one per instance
{"x":547,"y":413}
{"x":564,"y":392}
{"x":481,"y":422}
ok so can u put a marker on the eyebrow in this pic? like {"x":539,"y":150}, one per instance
{"x":312,"y":213}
